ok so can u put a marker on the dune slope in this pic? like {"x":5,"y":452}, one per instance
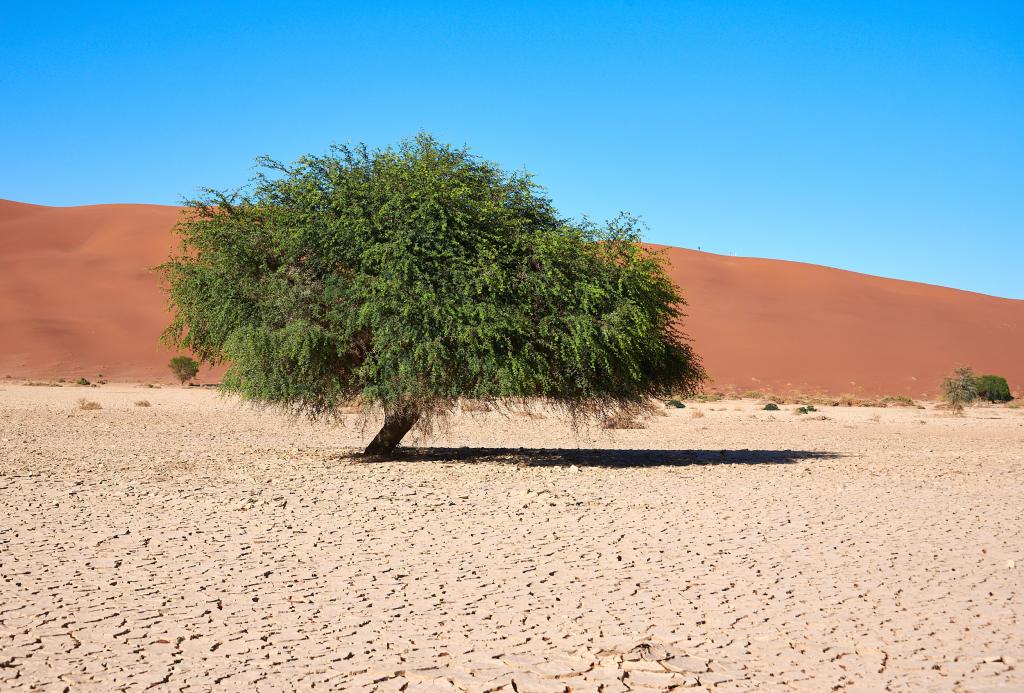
{"x":78,"y":298}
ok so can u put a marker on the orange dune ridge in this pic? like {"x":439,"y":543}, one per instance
{"x":78,"y":298}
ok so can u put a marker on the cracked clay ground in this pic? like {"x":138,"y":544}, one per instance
{"x":192,"y":545}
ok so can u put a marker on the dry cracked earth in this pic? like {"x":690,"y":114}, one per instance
{"x":198,"y":545}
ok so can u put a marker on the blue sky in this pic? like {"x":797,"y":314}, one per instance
{"x":885,"y":138}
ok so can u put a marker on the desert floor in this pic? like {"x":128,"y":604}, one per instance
{"x":197,"y":544}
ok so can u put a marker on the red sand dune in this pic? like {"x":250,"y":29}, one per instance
{"x":77,"y":298}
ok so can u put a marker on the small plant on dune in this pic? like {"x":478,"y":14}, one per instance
{"x":184,"y":368}
{"x":994,"y":388}
{"x":142,"y":403}
{"x":771,"y":406}
{"x":806,"y":409}
{"x":414,"y":277}
{"x":697,"y":414}
{"x":88,"y":405}
{"x":959,"y":389}
{"x":675,"y":404}
{"x":82,"y":381}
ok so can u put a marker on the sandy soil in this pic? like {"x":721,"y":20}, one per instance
{"x":195,"y":544}
{"x":77,"y":298}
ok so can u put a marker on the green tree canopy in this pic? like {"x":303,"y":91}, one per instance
{"x":184,"y":368}
{"x":994,"y":388}
{"x":413,"y":276}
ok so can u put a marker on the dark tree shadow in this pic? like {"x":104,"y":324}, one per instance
{"x":596,"y":457}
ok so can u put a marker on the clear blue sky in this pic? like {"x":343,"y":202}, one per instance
{"x":886,"y":138}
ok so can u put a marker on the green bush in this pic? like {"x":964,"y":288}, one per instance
{"x":83,"y":381}
{"x":414,"y":277}
{"x":806,"y":410}
{"x":960,"y":388}
{"x":675,"y":403}
{"x":994,"y":388}
{"x":771,"y":406}
{"x":184,"y":368}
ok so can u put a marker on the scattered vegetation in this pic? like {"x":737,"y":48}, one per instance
{"x":806,"y":409}
{"x":959,"y":389}
{"x":675,"y":404}
{"x":296,"y":281}
{"x":710,"y":397}
{"x":82,"y":381}
{"x":771,"y":406}
{"x":143,"y":403}
{"x":88,"y":404}
{"x":994,"y":388}
{"x":184,"y":368}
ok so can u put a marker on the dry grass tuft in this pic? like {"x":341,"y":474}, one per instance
{"x":697,"y":414}
{"x":88,"y":404}
{"x":143,"y":403}
{"x":897,"y":401}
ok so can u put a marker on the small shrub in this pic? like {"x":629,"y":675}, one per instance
{"x":771,"y":406}
{"x":897,"y":401}
{"x":709,"y":397}
{"x":993,"y":388}
{"x":83,"y":381}
{"x":142,"y":403}
{"x":806,"y":409}
{"x":675,"y":404}
{"x":697,"y":414}
{"x":622,"y":420}
{"x":184,"y":368}
{"x":88,"y":405}
{"x":960,"y":388}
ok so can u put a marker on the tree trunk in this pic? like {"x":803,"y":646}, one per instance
{"x":396,"y":425}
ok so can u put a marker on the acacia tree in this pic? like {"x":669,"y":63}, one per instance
{"x":184,"y":368}
{"x":413,"y":276}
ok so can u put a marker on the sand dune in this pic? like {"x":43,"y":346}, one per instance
{"x":77,"y":298}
